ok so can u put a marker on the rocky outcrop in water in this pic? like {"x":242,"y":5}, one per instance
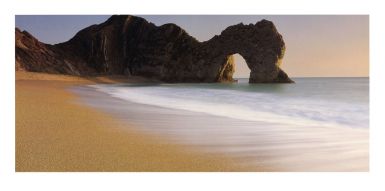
{"x":130,"y":45}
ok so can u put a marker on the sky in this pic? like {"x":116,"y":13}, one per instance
{"x":316,"y":45}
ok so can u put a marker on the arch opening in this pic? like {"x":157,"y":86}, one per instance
{"x":241,"y":69}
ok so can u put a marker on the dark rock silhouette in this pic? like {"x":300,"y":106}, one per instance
{"x":130,"y":45}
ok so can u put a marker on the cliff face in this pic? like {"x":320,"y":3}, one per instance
{"x":34,"y":56}
{"x":132,"y":46}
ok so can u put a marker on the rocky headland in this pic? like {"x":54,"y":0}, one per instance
{"x":130,"y":45}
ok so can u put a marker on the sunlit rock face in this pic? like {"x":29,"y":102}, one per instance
{"x":130,"y":45}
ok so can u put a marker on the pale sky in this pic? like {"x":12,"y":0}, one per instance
{"x":316,"y":46}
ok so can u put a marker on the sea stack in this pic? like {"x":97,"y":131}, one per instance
{"x":130,"y":45}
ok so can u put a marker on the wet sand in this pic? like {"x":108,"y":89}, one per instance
{"x":56,"y":133}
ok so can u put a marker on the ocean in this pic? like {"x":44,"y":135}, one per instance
{"x":315,"y":124}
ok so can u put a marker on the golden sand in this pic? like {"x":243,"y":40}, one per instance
{"x":54,"y":133}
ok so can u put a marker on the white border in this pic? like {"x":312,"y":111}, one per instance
{"x":191,"y":181}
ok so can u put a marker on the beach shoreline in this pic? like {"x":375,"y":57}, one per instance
{"x":64,"y":123}
{"x":56,"y":134}
{"x":257,"y":144}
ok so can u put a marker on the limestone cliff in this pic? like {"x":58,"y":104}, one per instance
{"x":130,"y":45}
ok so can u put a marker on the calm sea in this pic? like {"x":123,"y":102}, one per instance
{"x":321,"y":101}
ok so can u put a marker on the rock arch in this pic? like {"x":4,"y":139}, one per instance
{"x":260,"y":45}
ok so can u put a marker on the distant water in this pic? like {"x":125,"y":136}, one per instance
{"x":318,"y":101}
{"x":316,"y":124}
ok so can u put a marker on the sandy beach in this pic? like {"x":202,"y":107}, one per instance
{"x":66,"y":123}
{"x":55,"y":133}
